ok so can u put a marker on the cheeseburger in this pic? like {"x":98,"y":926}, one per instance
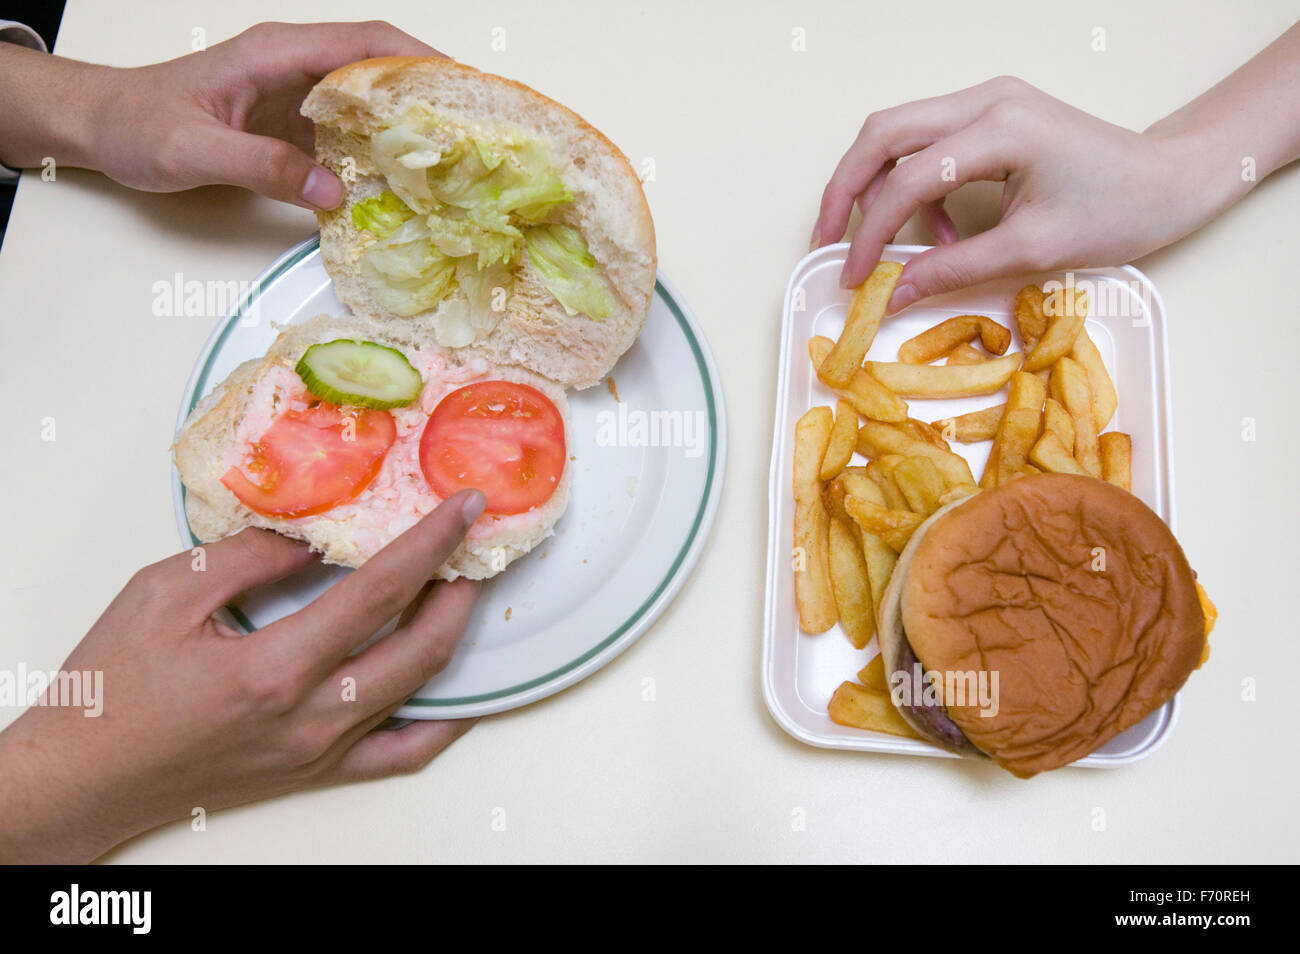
{"x":1069,"y":601}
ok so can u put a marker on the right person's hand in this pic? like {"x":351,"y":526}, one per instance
{"x":1078,"y":191}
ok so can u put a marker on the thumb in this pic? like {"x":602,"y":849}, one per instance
{"x":992,"y":254}
{"x":265,"y":165}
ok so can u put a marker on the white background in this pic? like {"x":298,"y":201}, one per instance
{"x":743,"y":132}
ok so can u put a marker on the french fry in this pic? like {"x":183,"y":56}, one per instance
{"x":956,"y":493}
{"x":861,"y":708}
{"x":895,"y":527}
{"x":925,"y":432}
{"x":872,"y":675}
{"x":881,"y":559}
{"x":812,"y":583}
{"x":1053,"y":456}
{"x":852,"y":480}
{"x":1070,"y":387}
{"x":1026,"y":392}
{"x":966,"y":354}
{"x":975,"y":426}
{"x":943,"y":337}
{"x":868,"y":396}
{"x":843,"y":440}
{"x":1056,"y":420}
{"x":1029,"y":316}
{"x":995,"y":338}
{"x":1116,"y":451}
{"x":944,"y":380}
{"x":1104,"y":398}
{"x":866,"y":308}
{"x":881,"y":471}
{"x":1016,"y":437}
{"x":833,"y":495}
{"x":919,"y":480}
{"x":989,"y":479}
{"x":1011,"y":445}
{"x":878,"y":439}
{"x":860,"y":482}
{"x":1067,"y":311}
{"x":850,"y":584}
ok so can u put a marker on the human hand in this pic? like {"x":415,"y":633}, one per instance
{"x":194,"y":715}
{"x":1078,"y":191}
{"x":227,"y":115}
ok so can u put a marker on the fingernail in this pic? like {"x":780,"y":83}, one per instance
{"x":903,"y":296}
{"x":815,"y":242}
{"x":322,"y":189}
{"x":471,"y":508}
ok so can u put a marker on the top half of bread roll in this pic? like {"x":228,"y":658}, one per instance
{"x":506,"y":225}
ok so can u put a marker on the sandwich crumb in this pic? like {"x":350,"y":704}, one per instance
{"x":613,"y":388}
{"x":509,"y":613}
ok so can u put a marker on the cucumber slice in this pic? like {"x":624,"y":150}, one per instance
{"x":359,"y":373}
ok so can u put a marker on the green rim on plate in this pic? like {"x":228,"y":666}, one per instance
{"x":201,"y":386}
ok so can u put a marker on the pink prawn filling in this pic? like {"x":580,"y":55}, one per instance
{"x":399,"y":495}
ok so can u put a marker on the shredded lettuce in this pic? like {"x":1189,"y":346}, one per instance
{"x":404,"y":157}
{"x":486,"y":289}
{"x":380,"y":215}
{"x":488,"y":154}
{"x":510,"y":179}
{"x":559,"y":255}
{"x":407,"y":272}
{"x":463,"y":321}
{"x":490,"y":239}
{"x":463,"y":209}
{"x":531,"y":188}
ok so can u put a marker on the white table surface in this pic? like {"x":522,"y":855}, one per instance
{"x":743,"y":131}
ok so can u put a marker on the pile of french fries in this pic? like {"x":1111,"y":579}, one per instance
{"x":852,"y":520}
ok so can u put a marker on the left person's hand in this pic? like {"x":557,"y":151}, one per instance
{"x":189,"y":714}
{"x":227,"y":115}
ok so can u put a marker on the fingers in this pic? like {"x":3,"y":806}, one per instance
{"x":877,"y":183}
{"x":276,"y":58}
{"x":219,"y":155}
{"x":351,"y":735}
{"x":274,"y":50}
{"x":355,"y":608}
{"x":203,"y":580}
{"x":892,"y":134}
{"x":389,"y":672}
{"x":936,"y":220}
{"x":395,"y":751}
{"x":864,"y":200}
{"x":972,"y":153}
{"x":993,"y":254}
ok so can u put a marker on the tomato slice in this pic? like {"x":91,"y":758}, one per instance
{"x":504,"y":438}
{"x":312,"y":460}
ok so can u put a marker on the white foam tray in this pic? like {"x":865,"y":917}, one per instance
{"x":1127,"y":321}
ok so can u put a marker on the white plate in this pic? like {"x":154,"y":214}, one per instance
{"x":635,"y":526}
{"x":800,"y":672}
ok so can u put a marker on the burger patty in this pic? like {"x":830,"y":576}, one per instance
{"x":933,"y":718}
